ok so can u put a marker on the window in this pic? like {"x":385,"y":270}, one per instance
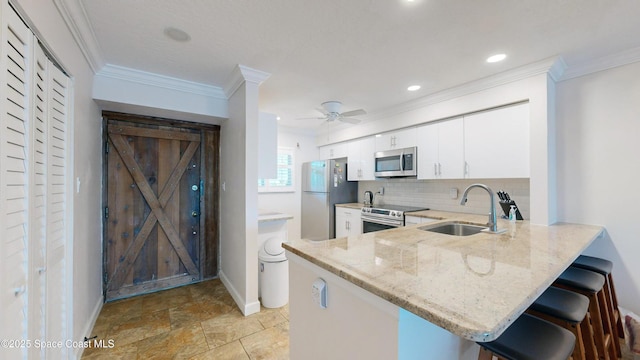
{"x":284,"y":182}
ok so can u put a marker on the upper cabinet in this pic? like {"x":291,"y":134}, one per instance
{"x":333,"y":151}
{"x":396,"y":139}
{"x":360,"y":159}
{"x":491,"y":144}
{"x":496,"y":143}
{"x":441,"y":150}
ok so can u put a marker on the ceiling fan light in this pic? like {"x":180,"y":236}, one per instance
{"x":332,"y":106}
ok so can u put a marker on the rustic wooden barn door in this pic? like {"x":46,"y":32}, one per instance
{"x":153,"y":217}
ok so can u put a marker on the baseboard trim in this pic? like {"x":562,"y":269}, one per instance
{"x":89,"y":326}
{"x":246,"y":308}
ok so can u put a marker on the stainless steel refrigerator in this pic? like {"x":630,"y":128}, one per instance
{"x":324,"y":184}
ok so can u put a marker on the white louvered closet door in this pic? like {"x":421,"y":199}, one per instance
{"x":16,"y":46}
{"x":57,"y":89}
{"x":38,"y":192}
{"x":34,"y":155}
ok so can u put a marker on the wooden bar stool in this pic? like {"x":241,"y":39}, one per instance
{"x":530,"y":338}
{"x":604,"y":267}
{"x":591,"y":284}
{"x":567,"y":309}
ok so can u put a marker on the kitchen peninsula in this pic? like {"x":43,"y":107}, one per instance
{"x":409,"y":293}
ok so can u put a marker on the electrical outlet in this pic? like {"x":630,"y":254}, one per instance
{"x":319,"y":293}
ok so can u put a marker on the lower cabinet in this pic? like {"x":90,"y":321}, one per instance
{"x":348,"y":222}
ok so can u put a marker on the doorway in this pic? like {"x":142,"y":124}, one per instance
{"x":160,"y":204}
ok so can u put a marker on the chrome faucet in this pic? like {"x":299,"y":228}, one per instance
{"x":493,"y":223}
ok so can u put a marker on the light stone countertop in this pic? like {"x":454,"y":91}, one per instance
{"x":351,"y":205}
{"x":473,"y":286}
{"x":267,"y":215}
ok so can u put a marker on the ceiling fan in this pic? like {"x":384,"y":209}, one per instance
{"x":331,"y":112}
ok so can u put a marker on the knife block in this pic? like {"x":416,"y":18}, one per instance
{"x":506,"y":207}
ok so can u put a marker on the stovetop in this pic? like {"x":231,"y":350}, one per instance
{"x":390,"y":210}
{"x":399,"y":208}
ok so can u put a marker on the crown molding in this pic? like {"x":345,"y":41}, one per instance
{"x":241,"y":74}
{"x":161,"y":81}
{"x":557,"y":69}
{"x":75,"y":17}
{"x":553,"y":66}
{"x":603,"y":63}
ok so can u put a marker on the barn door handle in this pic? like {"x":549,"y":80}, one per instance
{"x":194,"y":213}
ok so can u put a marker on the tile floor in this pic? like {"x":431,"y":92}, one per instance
{"x":198,"y":321}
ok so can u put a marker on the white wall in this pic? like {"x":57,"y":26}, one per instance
{"x":239,"y":197}
{"x":85,"y":281}
{"x":290,"y":203}
{"x":598,"y":128}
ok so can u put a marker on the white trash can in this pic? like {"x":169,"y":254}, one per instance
{"x":274,"y":274}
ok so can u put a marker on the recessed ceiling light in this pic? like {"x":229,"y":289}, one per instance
{"x":176,"y":34}
{"x":496,"y":58}
{"x":413,"y":87}
{"x":277,"y":117}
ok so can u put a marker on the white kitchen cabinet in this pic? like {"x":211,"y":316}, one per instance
{"x":360,"y":159}
{"x":441,"y":150}
{"x":333,"y":151}
{"x":398,"y":139}
{"x":414,"y":220}
{"x":496,"y":143}
{"x":348,"y":222}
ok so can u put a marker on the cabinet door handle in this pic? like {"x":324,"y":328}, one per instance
{"x":466,"y":168}
{"x":435,"y":169}
{"x":439,"y":169}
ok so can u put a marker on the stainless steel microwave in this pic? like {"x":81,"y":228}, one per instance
{"x":396,"y":163}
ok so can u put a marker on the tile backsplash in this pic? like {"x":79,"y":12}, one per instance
{"x":435,"y":194}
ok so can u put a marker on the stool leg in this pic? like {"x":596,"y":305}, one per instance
{"x":485,"y":354}
{"x":614,"y":299}
{"x":598,"y":330}
{"x":606,"y":326}
{"x":612,"y":319}
{"x":590,"y":350}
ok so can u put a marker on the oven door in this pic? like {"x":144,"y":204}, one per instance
{"x":371,"y":224}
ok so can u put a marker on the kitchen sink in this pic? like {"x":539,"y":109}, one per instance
{"x":454,"y":228}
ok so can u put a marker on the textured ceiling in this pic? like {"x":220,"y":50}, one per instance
{"x":362,"y":52}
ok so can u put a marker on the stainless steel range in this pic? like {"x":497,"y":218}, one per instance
{"x":384,"y":217}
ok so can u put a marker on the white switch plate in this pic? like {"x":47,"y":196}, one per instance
{"x":453,"y":193}
{"x":319,"y":293}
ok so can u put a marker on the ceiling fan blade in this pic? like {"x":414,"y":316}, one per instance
{"x":349,"y":120}
{"x":322,"y":111}
{"x":353,"y":113}
{"x":312,"y":118}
